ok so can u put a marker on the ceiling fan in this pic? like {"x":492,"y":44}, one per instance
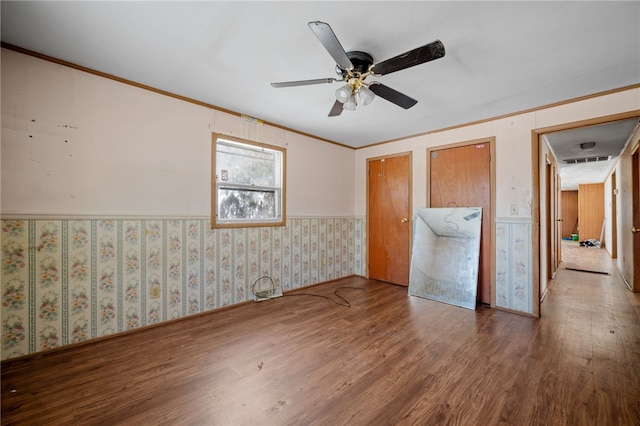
{"x":355,"y":66}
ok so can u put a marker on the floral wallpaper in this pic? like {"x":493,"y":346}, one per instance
{"x":67,"y":281}
{"x":514,"y":281}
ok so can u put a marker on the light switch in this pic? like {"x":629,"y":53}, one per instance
{"x":514,"y":209}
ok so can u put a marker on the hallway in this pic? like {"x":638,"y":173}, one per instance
{"x":593,"y":320}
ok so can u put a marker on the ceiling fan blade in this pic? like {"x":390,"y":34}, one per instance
{"x":392,"y":95}
{"x":304,"y":82}
{"x":330,"y":42}
{"x":417,"y":56}
{"x":336,"y":109}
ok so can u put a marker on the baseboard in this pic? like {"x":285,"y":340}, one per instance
{"x":546,"y":290}
{"x":628,"y":284}
{"x":513,"y":311}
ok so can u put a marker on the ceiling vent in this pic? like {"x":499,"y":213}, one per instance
{"x":588,"y":159}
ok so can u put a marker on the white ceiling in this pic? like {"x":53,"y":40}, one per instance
{"x":501,"y":57}
{"x":610,"y":140}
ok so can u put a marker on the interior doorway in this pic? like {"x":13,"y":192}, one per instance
{"x":540,"y":241}
{"x":552,"y":200}
{"x":389,"y":218}
{"x":614,"y":217}
{"x":463,"y":175}
{"x":635,"y":227}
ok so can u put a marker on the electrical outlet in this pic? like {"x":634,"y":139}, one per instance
{"x":514,"y":209}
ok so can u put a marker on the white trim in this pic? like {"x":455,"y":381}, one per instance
{"x":514,"y":220}
{"x":625,"y":280}
{"x":546,"y":291}
{"x":75,"y":216}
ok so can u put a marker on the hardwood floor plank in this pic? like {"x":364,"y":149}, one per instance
{"x":388,"y":359}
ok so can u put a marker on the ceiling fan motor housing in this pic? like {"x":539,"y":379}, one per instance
{"x":361,"y":62}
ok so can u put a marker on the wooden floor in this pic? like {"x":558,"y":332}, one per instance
{"x":387,"y":359}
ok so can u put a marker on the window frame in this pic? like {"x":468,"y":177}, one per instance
{"x":217,"y":184}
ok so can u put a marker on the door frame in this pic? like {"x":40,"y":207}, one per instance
{"x":558,"y":217}
{"x":536,"y":159}
{"x":549,"y":197}
{"x":368,"y":207}
{"x":614,"y":216}
{"x":635,"y":215}
{"x":491,"y":140}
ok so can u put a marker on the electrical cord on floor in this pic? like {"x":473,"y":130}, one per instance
{"x":343,"y":302}
{"x":346,"y":303}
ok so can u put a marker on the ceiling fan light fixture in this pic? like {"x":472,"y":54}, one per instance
{"x":350,"y":104}
{"x":355,"y":66}
{"x":365,"y":96}
{"x":344,"y":93}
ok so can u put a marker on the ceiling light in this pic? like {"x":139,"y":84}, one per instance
{"x":343,"y":93}
{"x":351,"y":103}
{"x":354,"y":93}
{"x":588,"y":146}
{"x":365,"y":95}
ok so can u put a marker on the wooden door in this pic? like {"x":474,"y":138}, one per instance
{"x":554,"y":220}
{"x":590,"y":211}
{"x":558,"y":218}
{"x":461,"y":176}
{"x":389,"y":218}
{"x":613,"y":245}
{"x":569,"y":213}
{"x":549,"y":220}
{"x":635,"y":194}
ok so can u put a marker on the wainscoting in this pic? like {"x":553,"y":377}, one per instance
{"x":66,"y":280}
{"x":514,"y":281}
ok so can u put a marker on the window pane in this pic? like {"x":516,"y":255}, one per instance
{"x":249,"y":166}
{"x":246,"y":204}
{"x":248,"y":183}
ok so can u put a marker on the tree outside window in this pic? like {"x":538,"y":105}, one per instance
{"x":248,"y":182}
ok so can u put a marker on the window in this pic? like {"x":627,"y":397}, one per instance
{"x":248,"y":183}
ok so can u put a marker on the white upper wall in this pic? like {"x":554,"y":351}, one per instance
{"x":74,"y":143}
{"x":513,"y":149}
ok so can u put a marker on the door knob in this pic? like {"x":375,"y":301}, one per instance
{"x":404,"y":219}
{"x":634,"y":229}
